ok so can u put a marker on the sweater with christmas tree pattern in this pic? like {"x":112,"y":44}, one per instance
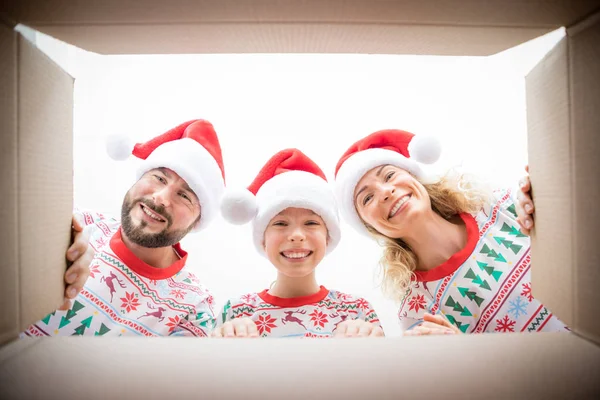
{"x":125,"y":296}
{"x":486,"y":286}
{"x":314,"y":316}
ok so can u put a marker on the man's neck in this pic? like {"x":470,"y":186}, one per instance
{"x":160,"y":257}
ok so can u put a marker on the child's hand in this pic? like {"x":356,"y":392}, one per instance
{"x":80,"y":253}
{"x":525,"y":204}
{"x":358,"y":328}
{"x":238,"y":327}
{"x":433,"y":325}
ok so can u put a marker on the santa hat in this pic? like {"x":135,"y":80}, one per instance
{"x":192,"y":150}
{"x":288,"y":179}
{"x":391,"y":146}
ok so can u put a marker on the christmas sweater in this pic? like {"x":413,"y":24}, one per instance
{"x":315,"y":316}
{"x":125,"y":296}
{"x":486,"y":286}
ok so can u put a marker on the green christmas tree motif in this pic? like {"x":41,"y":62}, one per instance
{"x":47,"y":317}
{"x":464,"y":311}
{"x":490,"y":270}
{"x":470,"y":295}
{"x":477,"y":279}
{"x":225,"y":309}
{"x":84,"y":324}
{"x":511,"y":230}
{"x":492,"y":253}
{"x":511,"y":209}
{"x":187,"y":280}
{"x":459,"y":325}
{"x":102,"y":331}
{"x":508,"y":244}
{"x":63,"y":321}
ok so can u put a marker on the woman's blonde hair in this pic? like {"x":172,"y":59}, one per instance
{"x":454,"y":193}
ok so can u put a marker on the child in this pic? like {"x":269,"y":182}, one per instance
{"x":295,"y":223}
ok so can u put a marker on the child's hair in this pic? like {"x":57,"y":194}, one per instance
{"x":454,"y":193}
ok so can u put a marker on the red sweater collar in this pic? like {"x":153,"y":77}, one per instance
{"x":458,"y":258}
{"x":140,"y":267}
{"x":294,"y":301}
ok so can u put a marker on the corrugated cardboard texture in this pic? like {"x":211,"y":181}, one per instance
{"x":563,"y":99}
{"x":37,"y":183}
{"x":584,"y":73}
{"x":549,"y":146}
{"x":524,"y":366}
{"x":45,"y":182}
{"x":444,"y":27}
{"x":8,"y":185}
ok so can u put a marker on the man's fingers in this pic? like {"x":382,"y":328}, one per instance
{"x":65,"y":305}
{"x":77,"y":224}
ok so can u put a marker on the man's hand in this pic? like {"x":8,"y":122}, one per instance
{"x":237,"y":328}
{"x":433,"y":325}
{"x":80,"y":254}
{"x":357,"y":328}
{"x":524,"y":204}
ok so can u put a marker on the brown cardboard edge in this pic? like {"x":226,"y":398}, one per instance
{"x":517,"y":365}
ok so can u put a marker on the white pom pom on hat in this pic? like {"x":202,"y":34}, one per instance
{"x":119,"y":147}
{"x":425,"y":149}
{"x":238,"y":206}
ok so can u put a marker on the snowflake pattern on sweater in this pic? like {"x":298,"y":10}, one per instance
{"x":315,"y":316}
{"x":485,"y":287}
{"x":124,"y":296}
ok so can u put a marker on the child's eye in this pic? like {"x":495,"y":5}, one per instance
{"x":311,"y":223}
{"x":366,"y":199}
{"x":389,"y":176}
{"x":279,"y":223}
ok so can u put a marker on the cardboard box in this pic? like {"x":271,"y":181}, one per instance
{"x":563,"y":99}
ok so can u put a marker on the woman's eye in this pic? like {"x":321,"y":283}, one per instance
{"x":389,"y":176}
{"x":366,"y":199}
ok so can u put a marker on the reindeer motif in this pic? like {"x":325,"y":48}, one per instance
{"x":111,"y":285}
{"x":335,"y":315}
{"x":158,"y":313}
{"x":290,"y":318}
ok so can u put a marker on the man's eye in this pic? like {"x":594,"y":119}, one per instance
{"x":160,"y":179}
{"x":185,"y":196}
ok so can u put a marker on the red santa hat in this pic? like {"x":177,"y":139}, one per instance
{"x":391,"y":146}
{"x":192,"y":150}
{"x":288,"y":179}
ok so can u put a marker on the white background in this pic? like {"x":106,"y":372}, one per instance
{"x":260,"y":104}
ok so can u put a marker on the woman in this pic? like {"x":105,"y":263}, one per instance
{"x":454,"y":256}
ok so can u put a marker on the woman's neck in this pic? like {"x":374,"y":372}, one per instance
{"x":434,"y":240}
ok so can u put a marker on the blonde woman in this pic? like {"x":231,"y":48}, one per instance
{"x":453,"y":255}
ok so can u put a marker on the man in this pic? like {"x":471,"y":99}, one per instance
{"x":138,"y":283}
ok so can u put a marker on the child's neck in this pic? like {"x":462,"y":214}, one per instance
{"x":287,"y":287}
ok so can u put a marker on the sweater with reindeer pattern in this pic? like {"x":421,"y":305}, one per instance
{"x":314,"y":316}
{"x":124,"y":296}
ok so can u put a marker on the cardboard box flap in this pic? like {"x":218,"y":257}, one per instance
{"x":37,"y":153}
{"x":563,"y":99}
{"x":527,"y":366}
{"x":444,"y":27}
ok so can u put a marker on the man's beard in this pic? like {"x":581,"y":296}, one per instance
{"x":150,"y":240}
